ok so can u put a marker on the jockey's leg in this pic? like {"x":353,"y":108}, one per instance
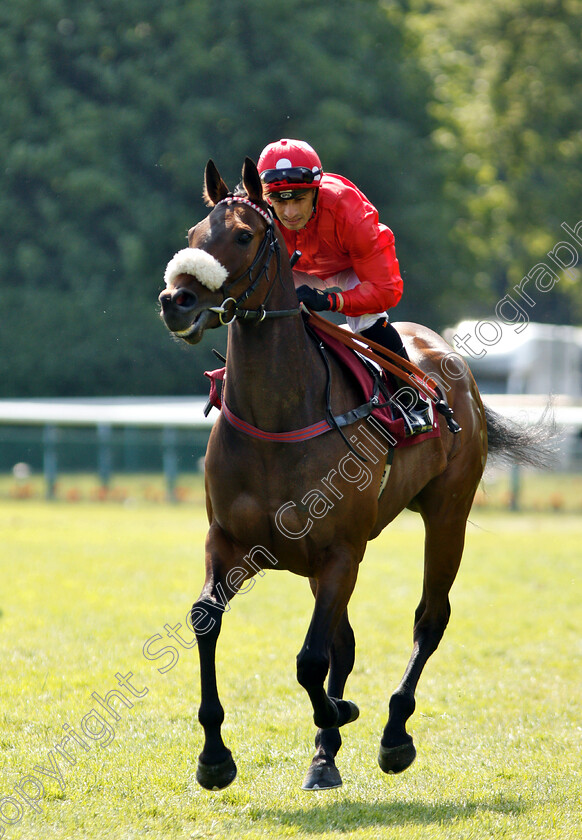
{"x":418,"y":416}
{"x":385,"y":334}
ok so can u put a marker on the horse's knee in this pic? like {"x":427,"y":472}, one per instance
{"x":311,"y":669}
{"x":419,"y":612}
{"x":206,"y":619}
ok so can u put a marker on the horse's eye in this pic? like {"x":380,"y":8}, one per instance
{"x":244,"y":238}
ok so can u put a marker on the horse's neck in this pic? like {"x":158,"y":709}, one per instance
{"x":274,"y":377}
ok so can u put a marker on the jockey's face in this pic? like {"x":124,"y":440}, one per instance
{"x":294,"y":212}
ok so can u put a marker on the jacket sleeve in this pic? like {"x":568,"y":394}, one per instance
{"x":373,"y":256}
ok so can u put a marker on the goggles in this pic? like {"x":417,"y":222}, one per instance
{"x":285,"y":195}
{"x":294,"y":175}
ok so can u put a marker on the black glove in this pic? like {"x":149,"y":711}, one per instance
{"x":316,"y":300}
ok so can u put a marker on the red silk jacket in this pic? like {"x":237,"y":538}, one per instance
{"x":345,"y":232}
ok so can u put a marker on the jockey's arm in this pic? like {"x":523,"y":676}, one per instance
{"x":373,"y":254}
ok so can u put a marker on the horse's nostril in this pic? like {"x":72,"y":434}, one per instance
{"x":179,"y":299}
{"x":184,"y":299}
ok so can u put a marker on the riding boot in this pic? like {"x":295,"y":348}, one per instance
{"x":417,"y":417}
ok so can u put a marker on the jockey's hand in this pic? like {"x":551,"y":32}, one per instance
{"x":318,"y":301}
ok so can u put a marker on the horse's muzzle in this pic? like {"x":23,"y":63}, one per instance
{"x":182,"y":314}
{"x":178,"y":309}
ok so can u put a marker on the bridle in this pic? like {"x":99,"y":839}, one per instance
{"x":269,"y":247}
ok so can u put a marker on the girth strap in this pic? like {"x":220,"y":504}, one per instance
{"x":298,"y":435}
{"x":293,"y":436}
{"x":356,"y":414}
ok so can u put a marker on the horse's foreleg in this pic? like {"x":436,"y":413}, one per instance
{"x":332,"y":592}
{"x":323,"y":772}
{"x":443,"y":550}
{"x":216,"y":768}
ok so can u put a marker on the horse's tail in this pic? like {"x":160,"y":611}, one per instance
{"x":528,"y":445}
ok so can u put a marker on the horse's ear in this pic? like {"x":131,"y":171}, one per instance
{"x":214,"y":187}
{"x":252,"y":180}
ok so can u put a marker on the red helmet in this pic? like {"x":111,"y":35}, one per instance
{"x":289,"y":165}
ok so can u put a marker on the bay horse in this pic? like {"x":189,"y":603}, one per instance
{"x":261,"y":469}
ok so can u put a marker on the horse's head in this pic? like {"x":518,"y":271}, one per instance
{"x":227,"y":262}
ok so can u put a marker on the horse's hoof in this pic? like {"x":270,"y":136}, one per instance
{"x":396,"y":759}
{"x":322,"y":776}
{"x":216,"y":776}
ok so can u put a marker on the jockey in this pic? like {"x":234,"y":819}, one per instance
{"x":343,"y":246}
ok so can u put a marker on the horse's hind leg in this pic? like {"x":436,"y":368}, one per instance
{"x":444,"y":541}
{"x":323,"y":773}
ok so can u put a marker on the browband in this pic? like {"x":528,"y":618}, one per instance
{"x":240,"y":199}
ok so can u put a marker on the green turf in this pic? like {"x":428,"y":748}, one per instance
{"x":497,"y":727}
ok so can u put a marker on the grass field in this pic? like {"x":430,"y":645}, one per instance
{"x":498,"y":726}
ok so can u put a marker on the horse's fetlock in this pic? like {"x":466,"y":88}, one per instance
{"x":328,"y":741}
{"x":211,"y":717}
{"x":402,"y":705}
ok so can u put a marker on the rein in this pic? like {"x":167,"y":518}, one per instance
{"x":230,"y":305}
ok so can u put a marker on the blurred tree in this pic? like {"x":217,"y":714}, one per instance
{"x":109,"y":112}
{"x":508,"y":102}
{"x":85,"y":225}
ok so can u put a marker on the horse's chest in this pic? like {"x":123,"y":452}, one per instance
{"x":245,"y":514}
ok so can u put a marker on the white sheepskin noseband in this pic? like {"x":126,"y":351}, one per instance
{"x":201,"y":265}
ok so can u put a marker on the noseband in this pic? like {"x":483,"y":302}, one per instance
{"x":269,"y":246}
